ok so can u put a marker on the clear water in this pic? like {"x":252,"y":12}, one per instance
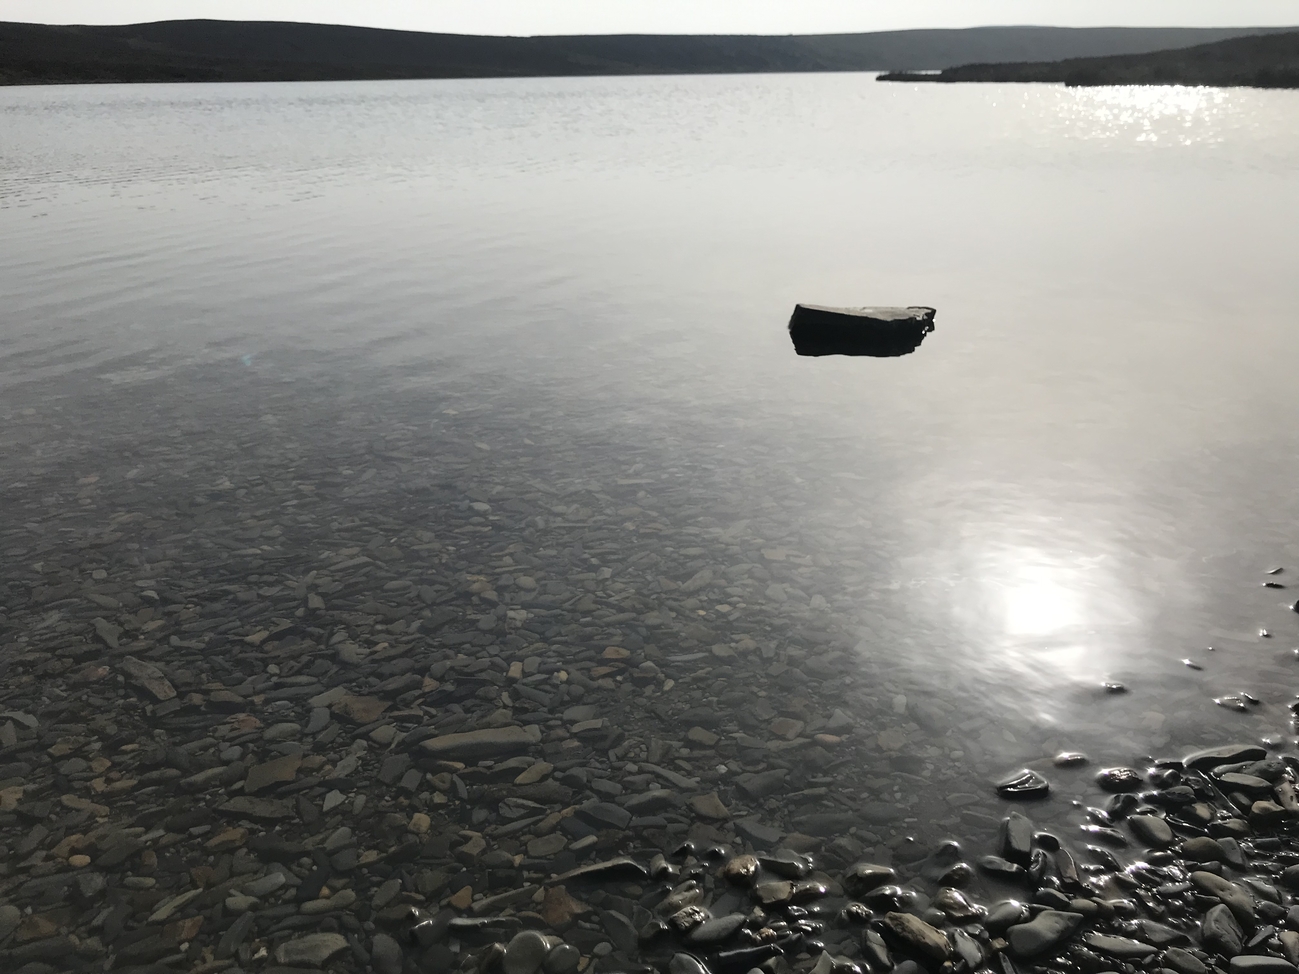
{"x":1082,"y":474}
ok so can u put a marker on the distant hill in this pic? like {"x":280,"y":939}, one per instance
{"x":211,"y":50}
{"x":1269,"y":61}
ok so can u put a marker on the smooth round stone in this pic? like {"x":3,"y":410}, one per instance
{"x":1260,"y":964}
{"x":525,"y":953}
{"x":1005,"y":914}
{"x":1183,"y":962}
{"x":686,"y":964}
{"x":1151,"y":830}
{"x":1045,"y":932}
{"x":1119,"y":779}
{"x":562,"y":959}
{"x":386,"y":955}
{"x":717,"y":929}
{"x":1069,"y":759}
{"x":1202,"y":848}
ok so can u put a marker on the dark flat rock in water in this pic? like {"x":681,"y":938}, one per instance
{"x":1227,"y":754}
{"x":877,"y":332}
{"x":475,"y":745}
{"x":1025,"y":784}
{"x":623,"y":867}
{"x":1260,"y":964}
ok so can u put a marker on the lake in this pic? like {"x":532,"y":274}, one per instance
{"x":519,"y":346}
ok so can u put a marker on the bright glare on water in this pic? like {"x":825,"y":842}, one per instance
{"x":1080,"y":476}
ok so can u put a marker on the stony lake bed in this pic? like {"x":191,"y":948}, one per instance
{"x":422,"y":550}
{"x":421,"y":701}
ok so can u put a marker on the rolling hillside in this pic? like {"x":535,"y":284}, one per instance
{"x":207,"y":50}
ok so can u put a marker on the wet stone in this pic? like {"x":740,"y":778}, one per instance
{"x":1260,"y":964}
{"x":916,"y":935}
{"x":1025,"y":784}
{"x":1122,"y":948}
{"x":1220,"y":932}
{"x":312,"y":950}
{"x":1043,"y":934}
{"x":1119,"y":779}
{"x":1183,"y":962}
{"x":525,"y":953}
{"x":1151,"y":830}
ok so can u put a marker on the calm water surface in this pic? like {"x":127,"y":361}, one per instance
{"x":1082,"y":475}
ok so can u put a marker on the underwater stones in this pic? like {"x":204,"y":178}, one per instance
{"x":759,"y":786}
{"x":865,"y":877}
{"x":386,"y":955}
{"x":313,"y":950}
{"x":525,"y":953}
{"x":786,"y":864}
{"x":623,"y":867}
{"x":1069,"y":759}
{"x":1023,"y":785}
{"x":148,"y":677}
{"x":490,"y":743}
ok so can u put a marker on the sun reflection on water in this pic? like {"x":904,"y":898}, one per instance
{"x":1169,"y":114}
{"x":1039,"y":603}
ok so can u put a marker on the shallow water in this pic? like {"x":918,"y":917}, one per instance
{"x":1081,"y":475}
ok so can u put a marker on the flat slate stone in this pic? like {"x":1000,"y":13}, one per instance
{"x":262,"y":809}
{"x":312,"y":950}
{"x":273,"y":772}
{"x":1261,"y":964}
{"x":623,"y":867}
{"x":760,"y":835}
{"x":494,"y":742}
{"x":1120,"y":947}
{"x":604,"y":815}
{"x":1017,"y":838}
{"x":148,"y":677}
{"x":915,"y":933}
{"x":1214,"y":757}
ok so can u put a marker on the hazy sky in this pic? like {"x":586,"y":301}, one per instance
{"x":669,"y":16}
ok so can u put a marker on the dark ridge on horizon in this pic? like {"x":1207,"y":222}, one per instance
{"x":1266,"y":61}
{"x":214,"y":50}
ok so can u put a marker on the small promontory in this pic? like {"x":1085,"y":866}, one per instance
{"x":1267,"y":61}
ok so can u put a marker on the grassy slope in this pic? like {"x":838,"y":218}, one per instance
{"x":1270,"y":61}
{"x":260,"y":51}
